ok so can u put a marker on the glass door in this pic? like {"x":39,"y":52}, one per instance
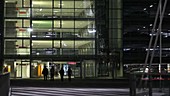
{"x":22,"y":69}
{"x":18,"y":69}
{"x":25,"y":69}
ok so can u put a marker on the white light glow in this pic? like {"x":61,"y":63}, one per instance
{"x":40,"y":9}
{"x":144,"y":9}
{"x":5,"y":65}
{"x":65,"y":44}
{"x":61,"y":4}
{"x":166,"y":36}
{"x":151,"y":6}
{"x":152,"y":34}
{"x":56,"y":11}
{"x":29,"y":30}
{"x":47,"y":36}
{"x":93,"y":31}
{"x":126,"y":49}
{"x":159,"y":68}
{"x":148,"y":49}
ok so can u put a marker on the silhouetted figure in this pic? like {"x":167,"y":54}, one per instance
{"x":45,"y":72}
{"x":61,"y":73}
{"x":69,"y":73}
{"x":52,"y":73}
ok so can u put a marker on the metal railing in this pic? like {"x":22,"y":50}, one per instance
{"x":149,"y":86}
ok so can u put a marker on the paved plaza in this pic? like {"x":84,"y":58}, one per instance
{"x":40,"y":91}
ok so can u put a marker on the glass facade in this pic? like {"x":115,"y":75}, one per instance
{"x":53,"y":33}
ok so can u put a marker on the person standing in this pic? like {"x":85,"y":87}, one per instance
{"x":52,"y":73}
{"x":61,"y":73}
{"x":45,"y":72}
{"x":69,"y":73}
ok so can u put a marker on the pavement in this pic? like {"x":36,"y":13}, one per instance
{"x":41,"y":91}
{"x":77,"y":87}
{"x":75,"y":83}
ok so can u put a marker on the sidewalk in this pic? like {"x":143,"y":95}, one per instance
{"x":75,"y":83}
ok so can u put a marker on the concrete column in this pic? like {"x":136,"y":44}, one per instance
{"x":5,"y":84}
{"x":1,"y":35}
{"x":115,"y":34}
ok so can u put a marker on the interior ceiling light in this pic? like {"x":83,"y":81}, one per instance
{"x":56,"y":11}
{"x":151,"y":6}
{"x":144,"y":9}
{"x":65,"y":44}
{"x":150,"y":25}
{"x":91,"y":31}
{"x":29,"y":30}
{"x":166,"y":36}
{"x":168,"y":13}
{"x":61,"y":4}
{"x":138,"y":29}
{"x":144,"y":27}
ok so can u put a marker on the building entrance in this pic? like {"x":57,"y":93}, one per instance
{"x":65,"y":65}
{"x":23,"y":69}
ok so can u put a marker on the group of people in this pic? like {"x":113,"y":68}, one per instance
{"x":52,"y":71}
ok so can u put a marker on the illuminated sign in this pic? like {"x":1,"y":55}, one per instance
{"x":72,"y":63}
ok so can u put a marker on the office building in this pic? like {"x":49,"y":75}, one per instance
{"x":83,"y":34}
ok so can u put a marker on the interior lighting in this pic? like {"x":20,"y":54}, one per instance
{"x":41,"y":9}
{"x":144,"y":9}
{"x":151,"y":6}
{"x":61,"y":4}
{"x":47,"y":36}
{"x":5,"y":65}
{"x":152,"y":34}
{"x":138,"y":29}
{"x":93,"y":31}
{"x":33,"y":36}
{"x":65,"y":44}
{"x":168,"y":13}
{"x":29,"y":29}
{"x":148,"y":49}
{"x":56,"y":11}
{"x":144,"y":27}
{"x":166,"y":36}
{"x":150,"y":25}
